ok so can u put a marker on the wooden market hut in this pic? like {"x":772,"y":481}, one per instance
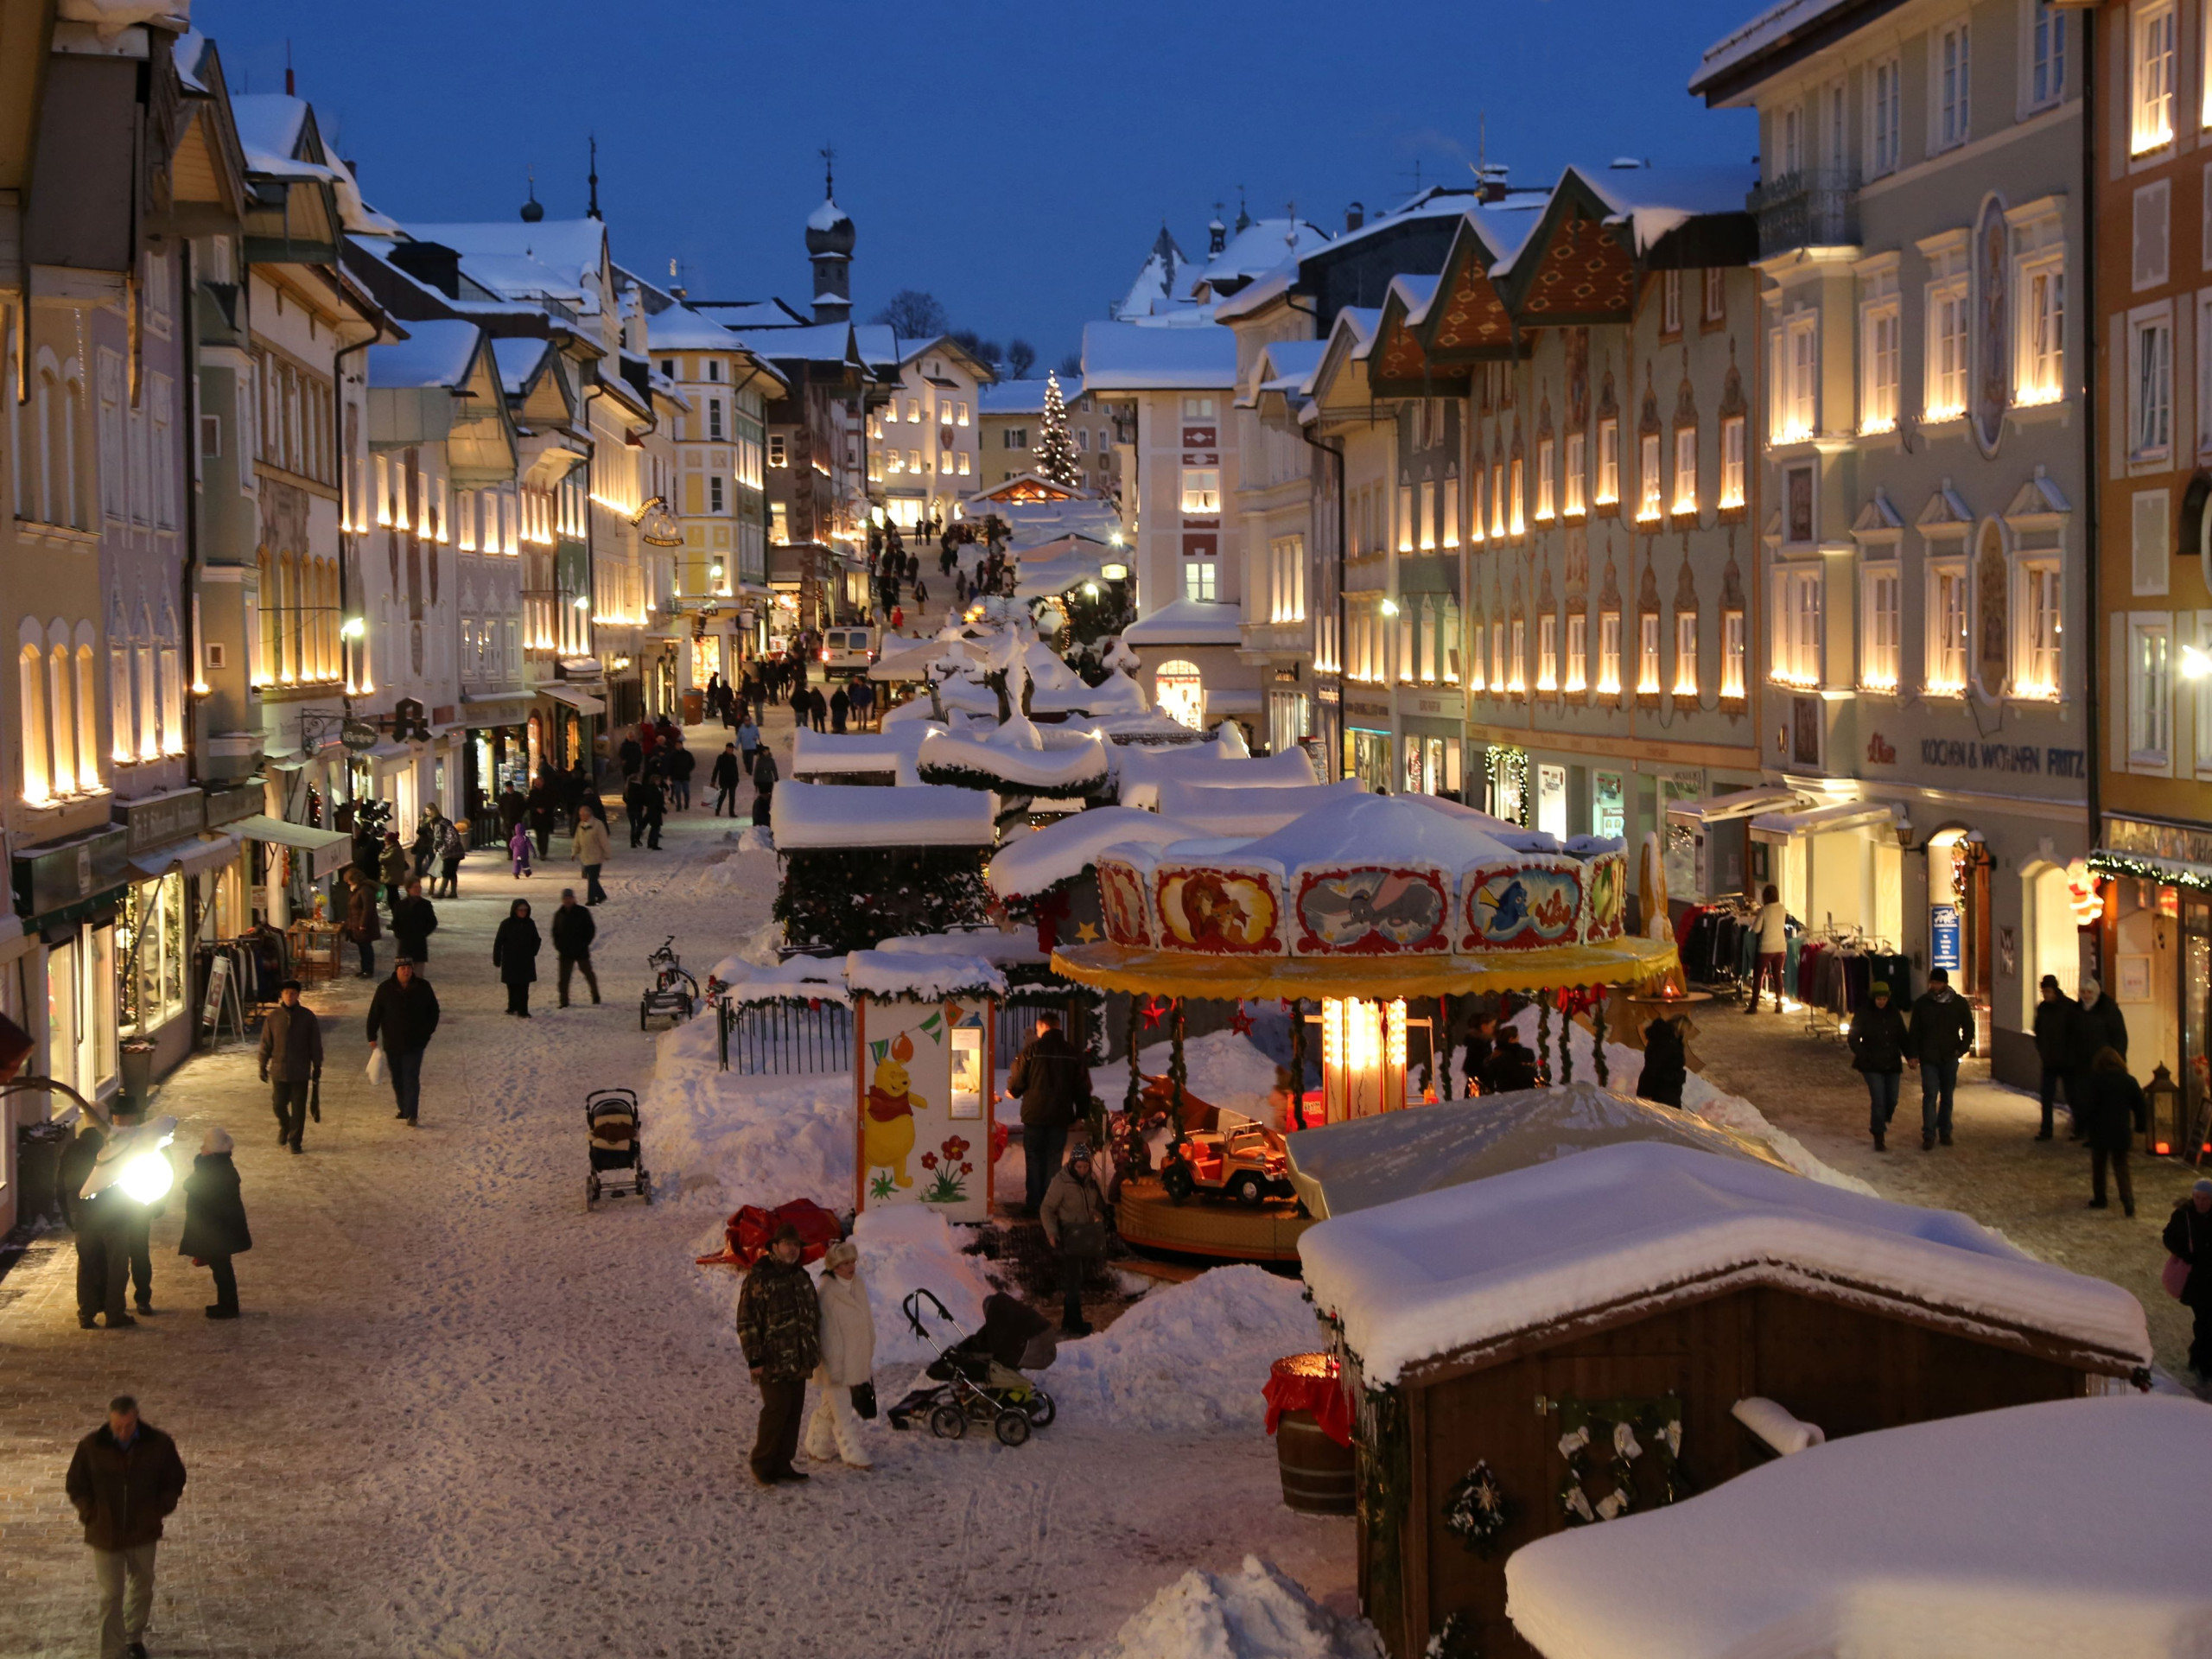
{"x":1559,"y":1344}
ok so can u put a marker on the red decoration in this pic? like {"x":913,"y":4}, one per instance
{"x":1241,"y":1022}
{"x":1154,"y":1010}
{"x":1309,"y":1382}
{"x":749,"y":1231}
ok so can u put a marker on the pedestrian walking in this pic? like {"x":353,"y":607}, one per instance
{"x":513,"y":809}
{"x":414,"y":918}
{"x":681,"y":763}
{"x":2058,"y":1035}
{"x":2099,"y":1024}
{"x":361,"y":924}
{"x":291,"y":1062}
{"x":633,"y":806}
{"x":2116,"y":1113}
{"x":1879,"y":1041}
{"x":592,"y":844}
{"x":779,"y":1327}
{"x":2188,"y":1239}
{"x":542,"y":800}
{"x":848,"y":1365}
{"x":392,"y":867}
{"x":656,"y":806}
{"x":452,"y":848}
{"x":424,"y":848}
{"x":403,"y":1018}
{"x":215,"y":1220}
{"x":748,"y":740}
{"x":630,"y":754}
{"x":1052,"y":1081}
{"x":514,"y":953}
{"x":572,"y":931}
{"x":124,"y":1480}
{"x":724,"y":778}
{"x":1666,"y":1062}
{"x":519,"y":850}
{"x":863,"y":698}
{"x":103,"y":1255}
{"x":764,"y":785}
{"x":840,"y":706}
{"x":1772,"y":925}
{"x":1074,"y":1213}
{"x":817,"y":708}
{"x":1940,"y":1033}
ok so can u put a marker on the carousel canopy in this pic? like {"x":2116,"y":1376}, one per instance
{"x":1224,"y":811}
{"x":1366,"y":1161}
{"x":1028,"y":865}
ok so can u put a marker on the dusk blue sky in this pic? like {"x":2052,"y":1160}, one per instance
{"x":1016,"y":160}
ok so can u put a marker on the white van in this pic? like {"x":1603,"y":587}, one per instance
{"x":846,"y":648}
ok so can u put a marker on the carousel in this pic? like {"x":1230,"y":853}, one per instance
{"x":1353,"y":911}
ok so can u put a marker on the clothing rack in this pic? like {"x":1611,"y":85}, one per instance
{"x":1829,"y":971}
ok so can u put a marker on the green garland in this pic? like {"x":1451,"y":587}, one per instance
{"x":1090,"y":788}
{"x":1614,"y":1433}
{"x":2138,"y":868}
{"x":838,"y":898}
{"x":1477,"y":1511}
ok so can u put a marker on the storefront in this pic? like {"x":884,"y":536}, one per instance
{"x":176,"y":876}
{"x":2148,"y":898}
{"x":69,"y":894}
{"x":1839,"y":866}
{"x":295,"y":864}
{"x":1505,"y":782}
{"x":1709,"y":853}
{"x":565,"y":728}
{"x":1369,"y":756}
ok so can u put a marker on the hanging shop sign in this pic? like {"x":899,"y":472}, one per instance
{"x":68,"y":873}
{"x":1943,"y":937}
{"x":161,"y":819}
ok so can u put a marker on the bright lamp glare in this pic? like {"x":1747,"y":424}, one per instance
{"x":1092,"y":588}
{"x":2195,"y":663}
{"x":583,"y":601}
{"x":147,"y":1176}
{"x":354,"y":628}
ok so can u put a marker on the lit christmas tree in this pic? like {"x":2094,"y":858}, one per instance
{"x":1056,"y":450}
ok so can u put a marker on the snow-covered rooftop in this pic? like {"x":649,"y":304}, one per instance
{"x":1062,"y":849}
{"x":892,"y":749}
{"x":1022,"y":396}
{"x":270,"y":126}
{"x":866,"y":815}
{"x":2048,"y":1529}
{"x":1772,"y":28}
{"x":1376,"y":828}
{"x":1188,"y":622}
{"x":1259,"y":248}
{"x":558,"y":257}
{"x":679,"y":328}
{"x":517,"y":356}
{"x":819,"y":342}
{"x":925,"y":977}
{"x":1446,"y":1271}
{"x":1068,"y":761}
{"x":985,"y":942}
{"x":1654,"y":199}
{"x":1129,"y":357}
{"x":437,"y":352}
{"x":1217,"y":810}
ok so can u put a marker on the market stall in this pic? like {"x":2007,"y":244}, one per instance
{"x":923,"y":1080}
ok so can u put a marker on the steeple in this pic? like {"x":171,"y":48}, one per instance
{"x":533,"y":210}
{"x":593,"y":211}
{"x":1216,"y":234}
{"x":830,"y":238}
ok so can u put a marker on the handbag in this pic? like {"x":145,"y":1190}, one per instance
{"x":2174,"y":1276}
{"x":864,"y":1401}
{"x":380,"y":1068}
{"x":314,"y":1097}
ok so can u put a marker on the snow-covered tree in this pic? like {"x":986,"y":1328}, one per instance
{"x":1055,"y":449}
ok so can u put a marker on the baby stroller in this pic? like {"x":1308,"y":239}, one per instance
{"x":674,"y":993}
{"x":971,"y":1382}
{"x":618,"y":1163}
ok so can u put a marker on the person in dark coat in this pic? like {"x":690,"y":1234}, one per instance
{"x":634,"y":807}
{"x":124,"y":1480}
{"x":215,"y":1220}
{"x":512,"y":810}
{"x":2114,"y":1112}
{"x":1939,"y":1034}
{"x":291,"y":1062}
{"x":514,"y":953}
{"x":103,"y":1255}
{"x":1052,"y":1081}
{"x":543,"y":801}
{"x":1878,"y":1050}
{"x":2098,"y":1024}
{"x":1512,"y":1064}
{"x":403,"y":1018}
{"x":840,"y":706}
{"x":764,"y":784}
{"x":817,"y":708}
{"x":2188,"y":1236}
{"x":363,"y":925}
{"x":728,"y":768}
{"x":1075,"y":1214}
{"x":779,"y":1327}
{"x":656,"y":804}
{"x":681,"y":763}
{"x":572,"y":932}
{"x":1666,"y":1061}
{"x":2058,"y":1019}
{"x":413,"y":920}
{"x":1481,"y":1043}
{"x":630,"y":754}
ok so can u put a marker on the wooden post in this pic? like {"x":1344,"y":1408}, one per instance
{"x":1566,"y":1040}
{"x":1597,"y":1043}
{"x":1176,"y":1072}
{"x":1298,"y":1061}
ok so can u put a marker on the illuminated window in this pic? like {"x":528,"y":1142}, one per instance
{"x":2151,"y":80}
{"x":1797,"y":625}
{"x":1180,"y":694}
{"x":1685,"y":470}
{"x":1575,"y":445}
{"x":1520,"y":525}
{"x":1608,"y":461}
{"x":1428,"y":516}
{"x":1880,"y":636}
{"x":2149,"y":687}
{"x":1647,"y":654}
{"x":1578,"y":654}
{"x":2039,"y":373}
{"x":1451,"y":511}
{"x":1497,"y":497}
{"x":1201,"y":490}
{"x":1609,"y":654}
{"x":1404,"y":518}
{"x":1670,"y":301}
{"x":1647,"y":486}
{"x":1946,"y":629}
{"x":2040,"y":632}
{"x":2151,"y":402}
{"x":1199,"y":581}
{"x":1947,"y":319}
{"x":1731,"y":462}
{"x":1685,"y":653}
{"x":1544,"y":453}
{"x":1520,"y":657}
{"x":1880,"y":328}
{"x":1547,"y":653}
{"x":1797,"y":410}
{"x":1733,"y":652}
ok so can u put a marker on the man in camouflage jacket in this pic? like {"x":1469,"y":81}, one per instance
{"x":779,"y":1326}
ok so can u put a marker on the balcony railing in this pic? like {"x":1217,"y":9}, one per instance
{"x":1815,"y":207}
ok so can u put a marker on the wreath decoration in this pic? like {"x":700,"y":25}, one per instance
{"x":1477,"y":1511}
{"x":1606,"y":1438}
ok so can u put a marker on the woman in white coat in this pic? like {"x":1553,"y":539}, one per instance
{"x":847,"y":1358}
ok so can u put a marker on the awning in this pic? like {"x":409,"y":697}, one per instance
{"x":193,"y":857}
{"x":583,"y":702}
{"x":385,"y":757}
{"x":1727,"y":804}
{"x":480,"y":713}
{"x":327,"y":849}
{"x":1775,"y":827}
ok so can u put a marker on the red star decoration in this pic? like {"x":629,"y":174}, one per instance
{"x":1153,"y":1011}
{"x":1241,"y":1022}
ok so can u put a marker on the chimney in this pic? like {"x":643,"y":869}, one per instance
{"x":1355,"y":216}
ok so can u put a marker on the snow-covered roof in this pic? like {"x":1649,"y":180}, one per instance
{"x":922,"y":977}
{"x":810,"y":977}
{"x":1129,"y":357}
{"x":1022,"y":396}
{"x":1017,"y":948}
{"x":877,"y":343}
{"x":1062,"y":849}
{"x":1290,"y":365}
{"x":1117,"y":694}
{"x":554,"y":257}
{"x":679,"y":328}
{"x":270,"y":127}
{"x":2051,"y":1528}
{"x":1772,"y":28}
{"x":1444,"y":1272}
{"x":1159,"y":281}
{"x":893,"y":749}
{"x":828,"y":216}
{"x":1376,"y":829}
{"x":866,"y":815}
{"x":517,"y":356}
{"x":818,"y":343}
{"x":1188,"y":622}
{"x":1654,"y":199}
{"x":1256,"y":295}
{"x":1366,"y":1161}
{"x":1260,"y":248}
{"x":1215,"y":810}
{"x":1144,"y":770}
{"x":437,"y":353}
{"x":1416,"y":291}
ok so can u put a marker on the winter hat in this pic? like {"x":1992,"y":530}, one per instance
{"x":837,"y":1254}
{"x":2202,"y":1186}
{"x":218,"y":1142}
{"x":1879,"y":988}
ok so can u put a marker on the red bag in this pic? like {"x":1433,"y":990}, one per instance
{"x":2174,"y":1276}
{"x":750,"y":1230}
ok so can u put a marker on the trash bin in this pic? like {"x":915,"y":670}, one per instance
{"x":38,"y":1166}
{"x":695,"y":708}
{"x":136,"y":1070}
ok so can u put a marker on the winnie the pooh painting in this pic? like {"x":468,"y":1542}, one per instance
{"x":887,"y":1132}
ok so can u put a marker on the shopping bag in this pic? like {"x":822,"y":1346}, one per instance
{"x":864,"y":1401}
{"x":2174,"y":1276}
{"x":380,"y":1068}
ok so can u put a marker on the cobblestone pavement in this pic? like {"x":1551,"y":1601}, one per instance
{"x":1995,"y":1171}
{"x":461,"y":1417}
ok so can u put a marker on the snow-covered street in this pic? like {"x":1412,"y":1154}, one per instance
{"x":460,"y":1415}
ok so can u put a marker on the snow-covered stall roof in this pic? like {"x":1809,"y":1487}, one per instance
{"x":1019,"y":754}
{"x":1214,"y":809}
{"x":1061,"y":851}
{"x":1366,"y":1161}
{"x":1117,"y":694}
{"x":797,"y":978}
{"x":1449,"y":1271}
{"x":860,"y":814}
{"x":1188,"y":622}
{"x":1005,"y":950}
{"x":1142,"y":771}
{"x":922,"y":976}
{"x":2051,"y":1528}
{"x":892,"y":750}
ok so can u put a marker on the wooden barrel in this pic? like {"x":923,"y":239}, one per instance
{"x":1316,"y":1472}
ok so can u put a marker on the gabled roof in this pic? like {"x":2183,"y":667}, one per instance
{"x":436,"y":353}
{"x":1162,"y":279}
{"x":1129,"y":357}
{"x":1260,"y":247}
{"x":945,"y":346}
{"x":818,"y":343}
{"x":1346,"y":349}
{"x":751,"y":314}
{"x":1466,"y":320}
{"x":558,"y":258}
{"x":1397,"y":366}
{"x":1022,"y":396}
{"x":878,"y":345}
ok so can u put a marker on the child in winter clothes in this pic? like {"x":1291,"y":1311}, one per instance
{"x":847,"y":1358}
{"x":519,"y":849}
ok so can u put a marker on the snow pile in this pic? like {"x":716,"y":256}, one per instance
{"x":1256,"y":1613}
{"x":762,"y":1141}
{"x":1220,"y":1068}
{"x":756,"y":838}
{"x":909,"y":1247}
{"x":1028,"y":865}
{"x":1716,"y":1106}
{"x":1189,"y":1358}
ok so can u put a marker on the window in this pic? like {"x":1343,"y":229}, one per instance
{"x":1428,"y":516}
{"x":1287,"y":557}
{"x":1886,"y":123}
{"x":2041,"y":631}
{"x":1716,"y":294}
{"x":1793,"y":142}
{"x":914,"y":460}
{"x":913,"y":412}
{"x":1180,"y":693}
{"x":1519,"y":523}
{"x":961,"y":417}
{"x":1543,"y":480}
{"x":1670,"y":301}
{"x":1609,"y":654}
{"x":1519,"y":658}
{"x":1731,"y":463}
{"x":714,"y":417}
{"x":1880,"y":328}
{"x":2046,"y":53}
{"x":2039,"y":374}
{"x":2148,"y":693}
{"x":1647,"y":654}
{"x":1497,"y":497}
{"x":1797,"y":373}
{"x":779,"y":523}
{"x":2150,"y":545}
{"x":1952,"y":88}
{"x":1647,"y":476}
{"x":2151,"y":75}
{"x":714,"y":492}
{"x":2151,"y":401}
{"x":1608,"y":461}
{"x":1201,"y":490}
{"x":1797,"y":625}
{"x":1836,"y":155}
{"x":1547,"y":653}
{"x":1946,"y":629}
{"x":1878,"y":639}
{"x":1404,"y":518}
{"x":1578,"y":654}
{"x":778,"y":456}
{"x":1575,"y":485}
{"x":1197,"y":408}
{"x":1451,"y":511}
{"x":1685,"y":470}
{"x":1016,"y":438}
{"x":1733,"y":654}
{"x":1685,"y":654}
{"x":1198,"y":582}
{"x":1947,"y":349}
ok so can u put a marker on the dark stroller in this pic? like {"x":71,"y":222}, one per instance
{"x":975,"y":1379}
{"x":618,"y":1161}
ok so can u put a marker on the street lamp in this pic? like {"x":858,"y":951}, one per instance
{"x":1115,"y":572}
